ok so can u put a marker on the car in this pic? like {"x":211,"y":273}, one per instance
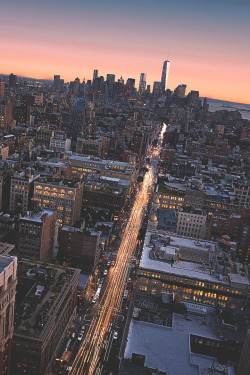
{"x":82,"y":329}
{"x":105,"y":272}
{"x":115,"y":335}
{"x":108,"y":263}
{"x":80,"y":336}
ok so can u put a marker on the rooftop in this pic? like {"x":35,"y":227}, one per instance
{"x":57,"y":182}
{"x":196,"y":259}
{"x":38,"y":217}
{"x":41,"y":291}
{"x":5,"y":261}
{"x":168,"y":349}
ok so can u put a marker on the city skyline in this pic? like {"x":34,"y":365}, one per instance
{"x":207,"y":51}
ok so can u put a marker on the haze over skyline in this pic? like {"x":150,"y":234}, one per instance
{"x":207,"y":42}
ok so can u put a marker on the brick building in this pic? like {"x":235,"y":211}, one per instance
{"x":8,"y":280}
{"x":37,"y":236}
{"x":237,"y":226}
{"x":79,"y":244}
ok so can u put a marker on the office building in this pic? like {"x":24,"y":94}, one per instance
{"x":130,"y":86}
{"x":142,"y":83}
{"x":164,"y":75}
{"x":200,"y":272}
{"x":171,"y":195}
{"x":8,"y":280}
{"x":193,"y":98}
{"x":84,"y":165}
{"x":95,"y":74}
{"x":41,"y":327}
{"x":58,"y":83}
{"x":62,"y":195}
{"x":180,"y":91}
{"x":110,"y":82}
{"x":157,"y":88}
{"x":36,"y":236}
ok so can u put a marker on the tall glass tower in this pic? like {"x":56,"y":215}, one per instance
{"x":142,"y":83}
{"x":164,"y":75}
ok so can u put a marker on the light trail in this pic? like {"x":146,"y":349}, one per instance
{"x":88,"y":357}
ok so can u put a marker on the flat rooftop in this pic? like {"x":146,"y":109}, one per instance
{"x":168,"y":349}
{"x":5,"y":261}
{"x":38,"y":218}
{"x":84,"y":158}
{"x":36,"y":313}
{"x":196,"y":269}
{"x":57,"y":182}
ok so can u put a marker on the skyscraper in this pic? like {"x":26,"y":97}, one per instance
{"x":157,"y":88}
{"x":12,"y":81}
{"x":142,"y":83}
{"x":180,"y":91}
{"x":164,"y":75}
{"x":110,"y":82}
{"x":193,"y":98}
{"x":95,"y":74}
{"x":58,"y":83}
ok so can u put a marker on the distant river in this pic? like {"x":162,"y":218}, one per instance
{"x":217,"y":105}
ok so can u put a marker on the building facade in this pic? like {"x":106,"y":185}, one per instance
{"x":8,"y":280}
{"x":21,"y":191}
{"x":64,"y":196}
{"x":37,"y":236}
{"x":79,"y":244}
{"x":197,"y":272}
{"x":191,"y":223}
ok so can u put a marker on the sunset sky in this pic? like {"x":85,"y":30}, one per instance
{"x":206,"y":41}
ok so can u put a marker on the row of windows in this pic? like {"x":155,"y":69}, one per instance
{"x":171,"y":206}
{"x":195,"y":293}
{"x":189,"y":282}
